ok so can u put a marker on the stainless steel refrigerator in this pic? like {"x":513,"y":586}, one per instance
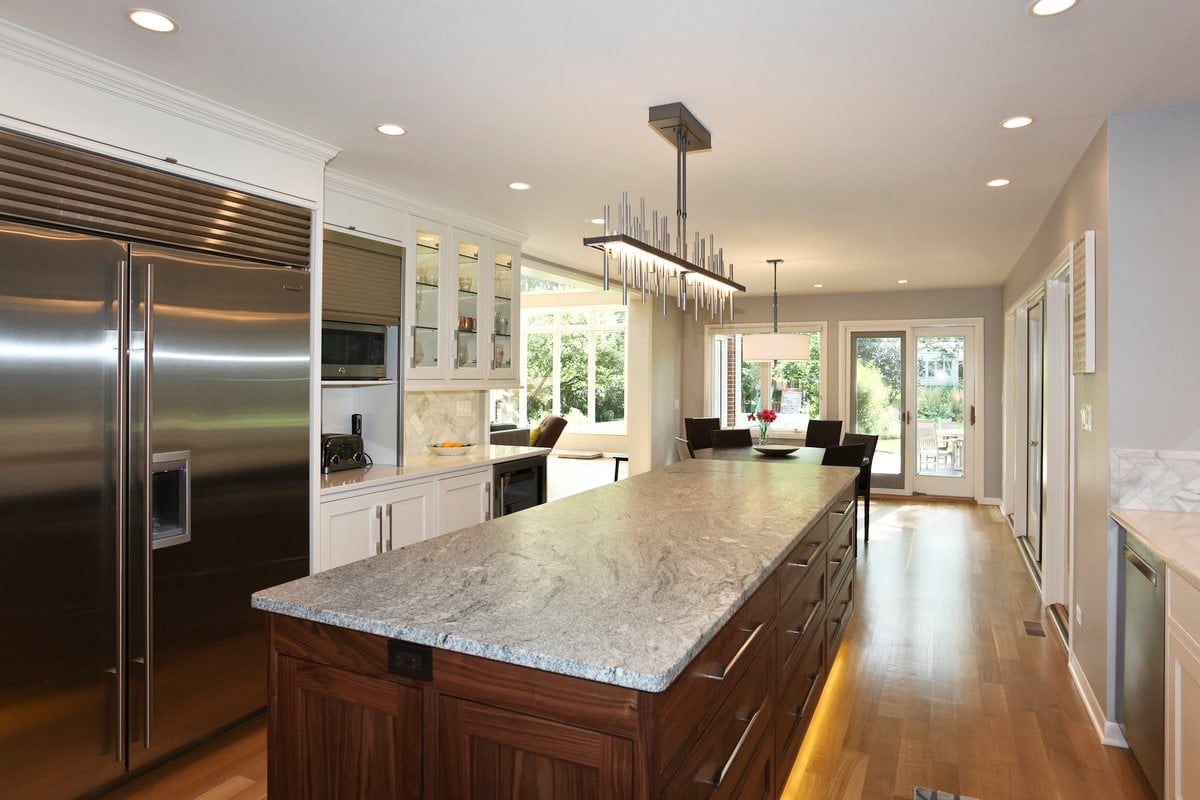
{"x":154,"y":409}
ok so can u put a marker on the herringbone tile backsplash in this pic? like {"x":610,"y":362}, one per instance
{"x":433,"y":417}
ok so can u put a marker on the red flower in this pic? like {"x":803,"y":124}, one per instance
{"x":766,"y":415}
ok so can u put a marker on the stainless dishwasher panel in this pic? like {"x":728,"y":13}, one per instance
{"x":1143,"y":667}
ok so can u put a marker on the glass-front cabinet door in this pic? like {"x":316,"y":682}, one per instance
{"x":468,"y":326}
{"x":504,"y":335}
{"x":425,"y":300}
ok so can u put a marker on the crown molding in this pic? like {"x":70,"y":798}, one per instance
{"x":54,"y":57}
{"x":393,"y":198}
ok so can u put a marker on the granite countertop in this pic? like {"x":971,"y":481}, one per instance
{"x":1174,"y":535}
{"x":424,"y":465}
{"x":623,"y":584}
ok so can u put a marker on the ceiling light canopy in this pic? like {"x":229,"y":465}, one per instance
{"x":152,"y":20}
{"x":1019,"y":121}
{"x":391,"y":129}
{"x":1049,"y":8}
{"x":775,"y":346}
{"x":996,"y":183}
{"x":520,"y":186}
{"x":642,"y":251}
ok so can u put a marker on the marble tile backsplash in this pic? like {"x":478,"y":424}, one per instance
{"x":433,"y":417}
{"x":1154,"y":480}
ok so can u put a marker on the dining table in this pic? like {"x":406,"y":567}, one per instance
{"x":801,"y":455}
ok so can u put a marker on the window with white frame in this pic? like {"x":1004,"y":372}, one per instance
{"x":794,"y":390}
{"x":573,"y":365}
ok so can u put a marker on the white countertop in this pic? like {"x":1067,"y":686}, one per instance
{"x":623,"y":584}
{"x":425,"y":465}
{"x":1174,"y":535}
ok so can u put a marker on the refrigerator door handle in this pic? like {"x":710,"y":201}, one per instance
{"x":148,"y":506}
{"x":122,"y":486}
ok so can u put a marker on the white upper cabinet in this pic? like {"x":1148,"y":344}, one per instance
{"x":462,"y":309}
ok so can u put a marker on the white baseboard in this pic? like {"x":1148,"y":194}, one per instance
{"x":990,"y":501}
{"x":1107,"y":731}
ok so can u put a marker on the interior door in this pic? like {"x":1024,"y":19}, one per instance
{"x":942,"y":392}
{"x":1035,"y":383}
{"x":877,"y":386}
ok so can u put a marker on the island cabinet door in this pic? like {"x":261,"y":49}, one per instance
{"x":486,"y":752}
{"x":346,"y":735}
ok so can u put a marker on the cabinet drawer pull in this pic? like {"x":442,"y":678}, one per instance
{"x":814,"y":605}
{"x":845,"y":509}
{"x":843,"y":550}
{"x":801,"y":711}
{"x":736,"y":656}
{"x":720,"y":776}
{"x":813,"y":546}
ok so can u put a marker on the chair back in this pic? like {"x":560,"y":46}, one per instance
{"x":549,"y":430}
{"x":870,"y":440}
{"x":699,"y":431}
{"x":823,"y":433}
{"x":682,"y":449}
{"x":926,"y":435}
{"x":731,"y":437}
{"x":846,"y":455}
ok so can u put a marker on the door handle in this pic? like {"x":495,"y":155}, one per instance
{"x":1032,"y":443}
{"x":147,"y":504}
{"x":972,"y":415}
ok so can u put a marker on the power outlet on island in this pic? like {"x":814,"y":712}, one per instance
{"x":463,"y":408}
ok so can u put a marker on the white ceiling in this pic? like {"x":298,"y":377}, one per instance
{"x":852,"y":140}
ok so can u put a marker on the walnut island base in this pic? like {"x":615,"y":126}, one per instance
{"x":355,"y":713}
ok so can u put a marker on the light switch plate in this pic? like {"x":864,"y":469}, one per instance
{"x":1085,"y":416}
{"x":463,"y":408}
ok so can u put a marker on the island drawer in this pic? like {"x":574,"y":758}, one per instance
{"x":841,"y":608}
{"x":843,"y":511}
{"x":682,"y":710}
{"x":841,"y":552}
{"x":801,"y":618}
{"x":798,"y":699}
{"x":714,"y":765}
{"x":804,"y":559}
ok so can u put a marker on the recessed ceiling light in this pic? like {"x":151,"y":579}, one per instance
{"x":596,"y":221}
{"x":818,"y":286}
{"x":1020,"y":121}
{"x":391,"y":129}
{"x":902,"y":280}
{"x":996,"y":183}
{"x":152,"y":20}
{"x":1048,"y":8}
{"x":519,"y":186}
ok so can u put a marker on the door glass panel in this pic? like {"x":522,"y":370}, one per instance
{"x":466,"y":336}
{"x":940,"y":409}
{"x":502,"y":283}
{"x":425,"y":326}
{"x":878,"y":395}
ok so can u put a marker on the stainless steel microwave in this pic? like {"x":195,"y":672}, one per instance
{"x":353,"y":351}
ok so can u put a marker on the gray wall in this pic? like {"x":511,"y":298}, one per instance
{"x":1083,"y":205}
{"x":899,"y":305}
{"x":1154,"y":219}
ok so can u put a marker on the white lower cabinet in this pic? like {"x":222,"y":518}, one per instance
{"x":464,"y":500}
{"x":375,"y":521}
{"x":1183,"y":690}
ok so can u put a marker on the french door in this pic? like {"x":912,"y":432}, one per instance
{"x":914,"y":387}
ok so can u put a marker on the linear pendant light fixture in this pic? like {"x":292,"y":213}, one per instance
{"x":640,"y":250}
{"x":775,"y":346}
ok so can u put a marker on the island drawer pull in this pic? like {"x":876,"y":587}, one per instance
{"x":843,"y":550}
{"x":814,"y":605}
{"x":737,"y":656}
{"x":845,"y":509}
{"x":814,"y":547}
{"x":801,"y":710}
{"x":720,"y":776}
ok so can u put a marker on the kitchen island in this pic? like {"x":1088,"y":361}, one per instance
{"x":666,"y":635}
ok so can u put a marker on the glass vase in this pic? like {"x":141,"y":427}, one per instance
{"x":762,"y":432}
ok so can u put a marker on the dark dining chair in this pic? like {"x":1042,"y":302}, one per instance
{"x":823,"y":433}
{"x":864,"y":477}
{"x":731,"y":437}
{"x":683,"y":449}
{"x":845,"y":455}
{"x":699,"y":431}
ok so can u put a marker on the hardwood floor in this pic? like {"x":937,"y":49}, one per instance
{"x":937,"y":684}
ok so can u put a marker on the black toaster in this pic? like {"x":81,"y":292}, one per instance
{"x":341,"y":451}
